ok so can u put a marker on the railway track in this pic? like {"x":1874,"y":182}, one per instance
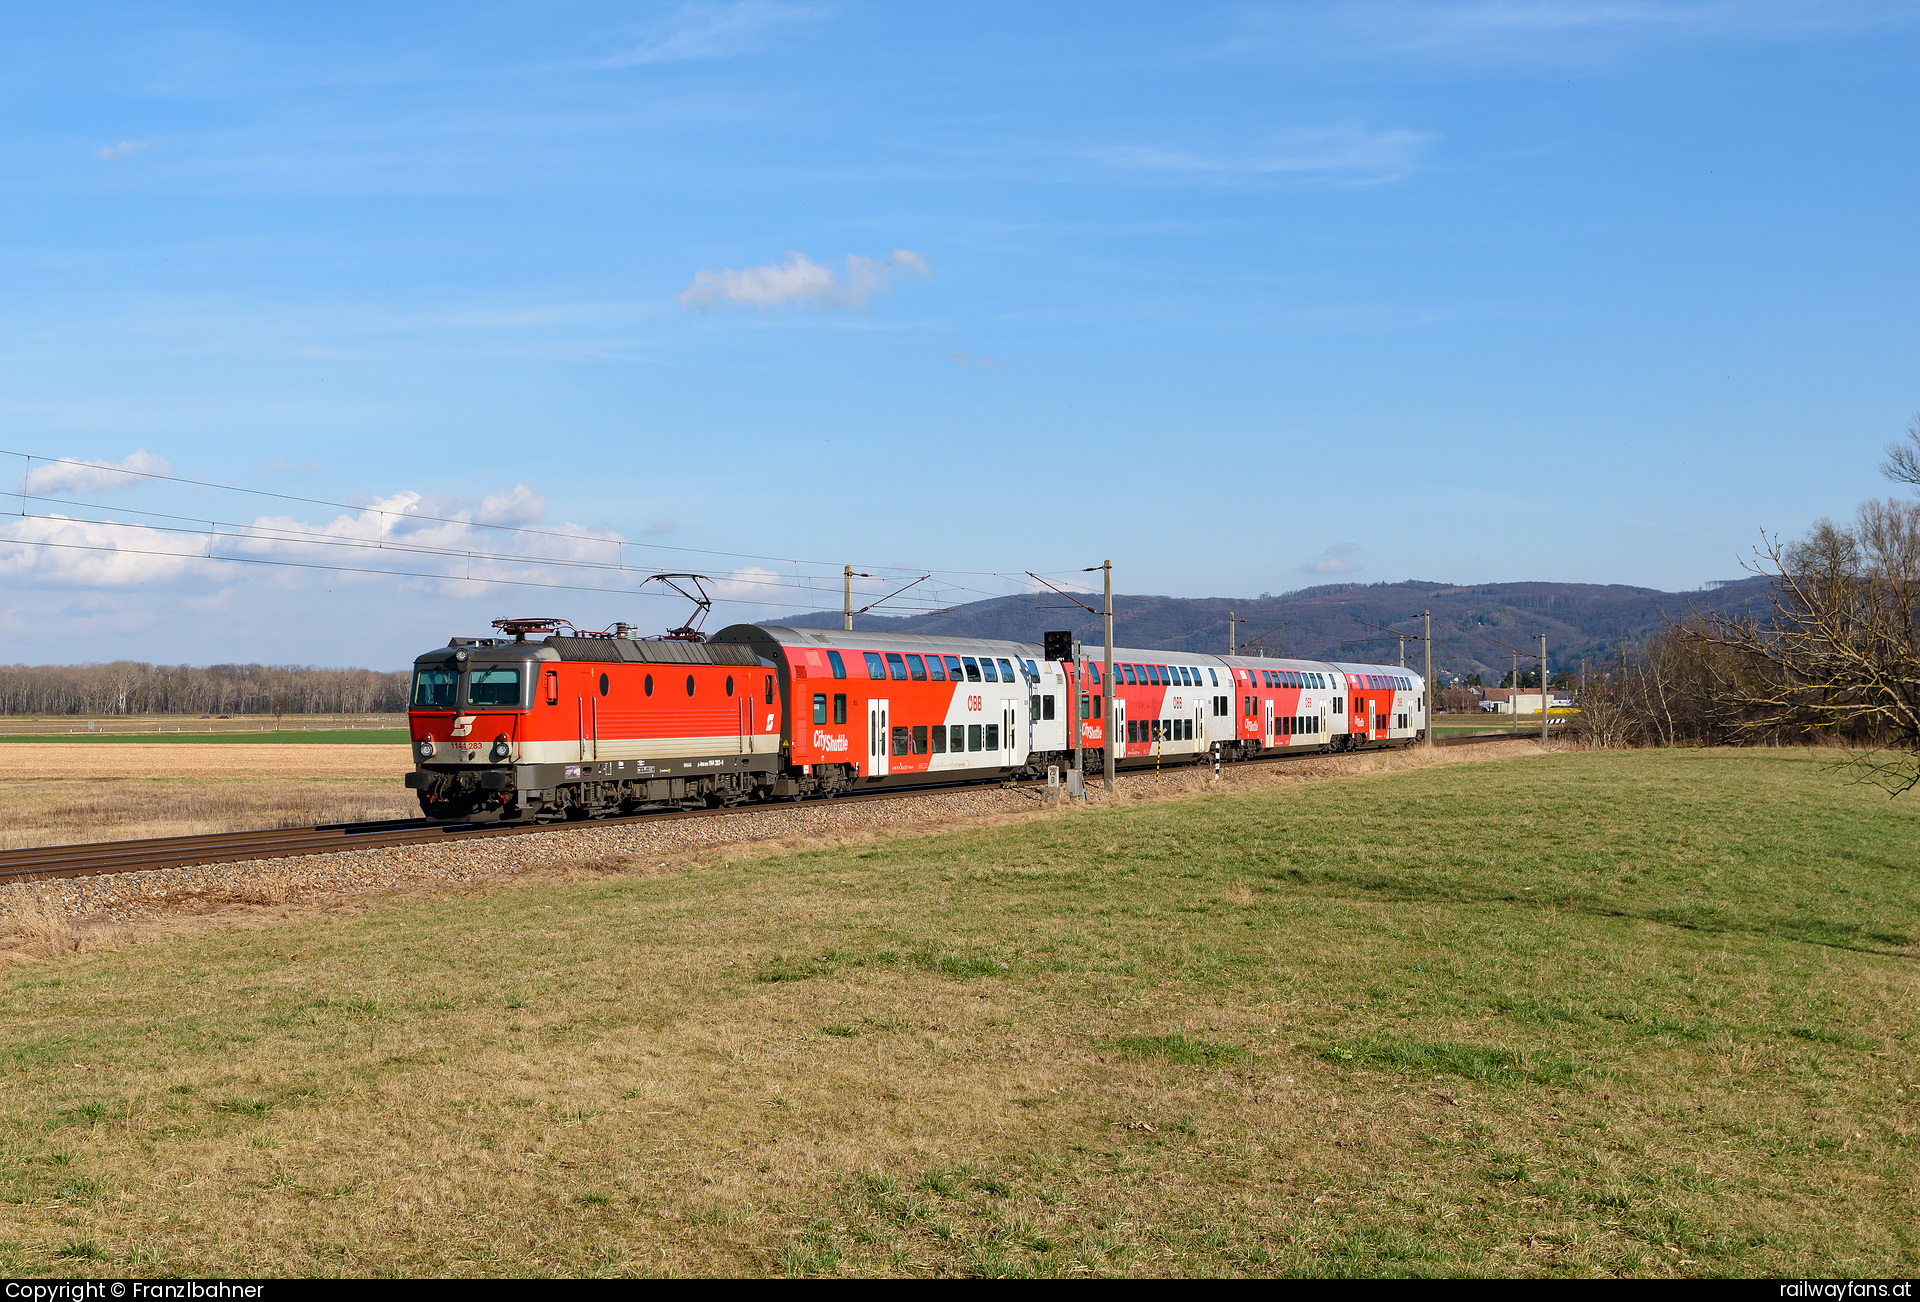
{"x":104,"y":857}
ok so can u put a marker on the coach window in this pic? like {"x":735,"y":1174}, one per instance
{"x":920,"y":740}
{"x":1086,"y":708}
{"x":473,"y":700}
{"x":897,"y":668}
{"x":1006,"y":672}
{"x":953,"y":669}
{"x":769,"y":689}
{"x":902,"y":741}
{"x":986,"y":670}
{"x":973,"y":736}
{"x":1046,"y":706}
{"x":939,"y":739}
{"x":1033,"y":672}
{"x":973,"y":669}
{"x":647,"y":685}
{"x":935,"y":670}
{"x":689,"y":684}
{"x":729,"y":684}
{"x":1336,"y":705}
{"x":916,"y":669}
{"x":993,"y":736}
{"x":820,"y":708}
{"x":876,"y":667}
{"x":956,"y":739}
{"x":839,"y":707}
{"x":839,"y":665}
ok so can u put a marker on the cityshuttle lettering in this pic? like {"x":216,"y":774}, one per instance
{"x":824,"y":742}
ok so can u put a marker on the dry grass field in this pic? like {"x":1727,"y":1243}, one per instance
{"x":58,"y":793}
{"x":1648,"y":1013}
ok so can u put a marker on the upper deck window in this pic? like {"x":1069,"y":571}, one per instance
{"x":986,"y":669}
{"x":897,"y":666}
{"x":936,"y":670}
{"x":876,"y":667}
{"x":839,"y":665}
{"x":953,"y":669}
{"x":916,"y":671}
{"x":1006,"y":672}
{"x":433,"y":688}
{"x":973,"y":669}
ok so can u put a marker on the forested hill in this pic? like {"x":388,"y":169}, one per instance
{"x":1469,"y":622}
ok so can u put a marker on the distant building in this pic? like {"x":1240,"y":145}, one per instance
{"x":1505,"y":700}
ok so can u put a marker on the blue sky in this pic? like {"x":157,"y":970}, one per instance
{"x":1245,"y":297}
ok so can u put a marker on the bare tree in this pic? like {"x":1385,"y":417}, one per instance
{"x":1837,"y":650}
{"x":1902,"y":465}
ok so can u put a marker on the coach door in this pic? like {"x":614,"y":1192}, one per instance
{"x":1011,"y":709}
{"x":1270,"y":739}
{"x":1117,"y":727}
{"x":876,"y":739}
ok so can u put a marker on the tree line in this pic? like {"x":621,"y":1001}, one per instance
{"x":1832,"y":653}
{"x":133,"y":687}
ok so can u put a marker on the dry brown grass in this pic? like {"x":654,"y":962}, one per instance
{"x":60,"y":793}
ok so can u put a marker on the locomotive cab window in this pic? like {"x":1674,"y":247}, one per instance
{"x":433,"y":688}
{"x":494,"y":687}
{"x":769,"y":689}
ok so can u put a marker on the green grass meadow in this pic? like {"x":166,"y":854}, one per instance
{"x":1645,"y":1013}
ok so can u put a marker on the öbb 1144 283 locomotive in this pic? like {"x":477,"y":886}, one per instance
{"x":579,"y":725}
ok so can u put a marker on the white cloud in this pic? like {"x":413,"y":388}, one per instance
{"x":76,"y":554}
{"x":715,"y":32}
{"x":1335,"y":560}
{"x":1341,"y":149}
{"x":658,"y":528}
{"x":748,"y":583}
{"x":71,"y":475}
{"x":801,"y":280}
{"x":387,"y":534}
{"x":125,"y":149}
{"x":961,"y":357}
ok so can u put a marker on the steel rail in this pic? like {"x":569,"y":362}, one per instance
{"x":100,"y":858}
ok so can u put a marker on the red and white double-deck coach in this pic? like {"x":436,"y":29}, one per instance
{"x":577,"y":725}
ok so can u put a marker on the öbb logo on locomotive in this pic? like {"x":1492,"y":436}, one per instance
{"x":592,"y":724}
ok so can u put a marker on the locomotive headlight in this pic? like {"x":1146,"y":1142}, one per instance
{"x":500,"y":748}
{"x":424,"y":748}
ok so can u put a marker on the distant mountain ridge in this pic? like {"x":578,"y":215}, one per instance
{"x":1581,"y":620}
